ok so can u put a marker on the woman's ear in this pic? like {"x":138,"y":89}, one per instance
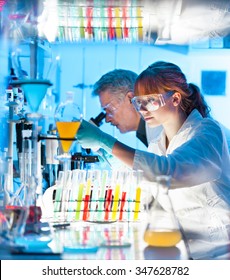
{"x":176,"y":98}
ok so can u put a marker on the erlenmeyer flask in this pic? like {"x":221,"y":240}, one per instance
{"x":163,"y":228}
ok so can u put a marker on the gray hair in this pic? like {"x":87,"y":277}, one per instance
{"x":118,"y":82}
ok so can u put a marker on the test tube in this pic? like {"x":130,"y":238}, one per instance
{"x":102,"y":194}
{"x":130,"y":194}
{"x":118,"y":185}
{"x":87,"y":195}
{"x":137,"y":202}
{"x":81,"y":184}
{"x":118,"y":23}
{"x":94,"y":197}
{"x":74,"y":189}
{"x":58,"y":196}
{"x":126,"y":182}
{"x":66,"y":194}
{"x":109,"y":196}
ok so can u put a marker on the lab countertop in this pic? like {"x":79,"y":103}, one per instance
{"x":103,"y":241}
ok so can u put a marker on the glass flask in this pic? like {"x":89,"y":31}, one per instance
{"x":162,"y":226}
{"x":68,"y":119}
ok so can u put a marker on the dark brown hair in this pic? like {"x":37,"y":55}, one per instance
{"x":161,"y":77}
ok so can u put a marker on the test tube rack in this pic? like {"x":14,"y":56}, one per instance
{"x":97,"y":201}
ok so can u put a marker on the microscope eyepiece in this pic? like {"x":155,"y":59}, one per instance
{"x":98,"y":120}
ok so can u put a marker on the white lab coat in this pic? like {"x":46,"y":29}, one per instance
{"x":198,"y":160}
{"x":152,"y":133}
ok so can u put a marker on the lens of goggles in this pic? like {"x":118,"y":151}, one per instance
{"x":109,"y":109}
{"x":149,"y":102}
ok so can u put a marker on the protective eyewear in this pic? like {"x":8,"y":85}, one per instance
{"x":111,"y":108}
{"x":151,"y":102}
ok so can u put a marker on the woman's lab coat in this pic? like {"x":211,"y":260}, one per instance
{"x":198,"y":160}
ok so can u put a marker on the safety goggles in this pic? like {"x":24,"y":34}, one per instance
{"x":150,"y":102}
{"x":111,"y":108}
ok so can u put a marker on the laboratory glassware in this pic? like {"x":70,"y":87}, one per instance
{"x":68,"y":119}
{"x":163,"y":229}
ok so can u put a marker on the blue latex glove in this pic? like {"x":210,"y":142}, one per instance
{"x":90,"y":136}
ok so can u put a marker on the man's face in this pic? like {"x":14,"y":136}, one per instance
{"x":120,"y":113}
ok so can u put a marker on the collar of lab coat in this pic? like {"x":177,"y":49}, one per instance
{"x":158,"y":145}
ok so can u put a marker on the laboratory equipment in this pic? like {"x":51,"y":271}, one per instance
{"x":68,"y":119}
{"x":96,"y":196}
{"x":34,"y":91}
{"x":162,"y":229}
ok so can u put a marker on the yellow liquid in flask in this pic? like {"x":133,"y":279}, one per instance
{"x":162,"y":238}
{"x":67,"y":130}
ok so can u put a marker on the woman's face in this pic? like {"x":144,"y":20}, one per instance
{"x":161,"y":116}
{"x":155,"y":109}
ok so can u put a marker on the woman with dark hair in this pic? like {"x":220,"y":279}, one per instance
{"x":192,"y":149}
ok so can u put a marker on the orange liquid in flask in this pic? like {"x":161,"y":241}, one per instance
{"x":67,"y":130}
{"x":162,"y":238}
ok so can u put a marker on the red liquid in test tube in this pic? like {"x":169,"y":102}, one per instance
{"x":110,"y":24}
{"x":108,"y":202}
{"x":86,"y":207}
{"x":123,"y":197}
{"x":89,"y":14}
{"x":124,"y":19}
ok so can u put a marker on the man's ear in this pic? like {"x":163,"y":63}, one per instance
{"x":130,"y":95}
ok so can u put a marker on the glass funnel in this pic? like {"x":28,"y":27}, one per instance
{"x":68,"y":118}
{"x":162,"y":226}
{"x":34,"y":91}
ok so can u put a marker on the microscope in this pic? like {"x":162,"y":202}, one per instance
{"x":81,"y":160}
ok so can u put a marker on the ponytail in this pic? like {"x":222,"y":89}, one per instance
{"x":195,"y":100}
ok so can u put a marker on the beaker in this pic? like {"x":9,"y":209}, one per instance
{"x":162,"y":226}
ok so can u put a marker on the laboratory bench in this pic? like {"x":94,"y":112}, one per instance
{"x":102,"y":241}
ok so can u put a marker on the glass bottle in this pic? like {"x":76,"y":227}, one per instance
{"x":162,"y":226}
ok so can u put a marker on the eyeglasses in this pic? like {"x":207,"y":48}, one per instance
{"x":150,"y":102}
{"x":111,"y":108}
